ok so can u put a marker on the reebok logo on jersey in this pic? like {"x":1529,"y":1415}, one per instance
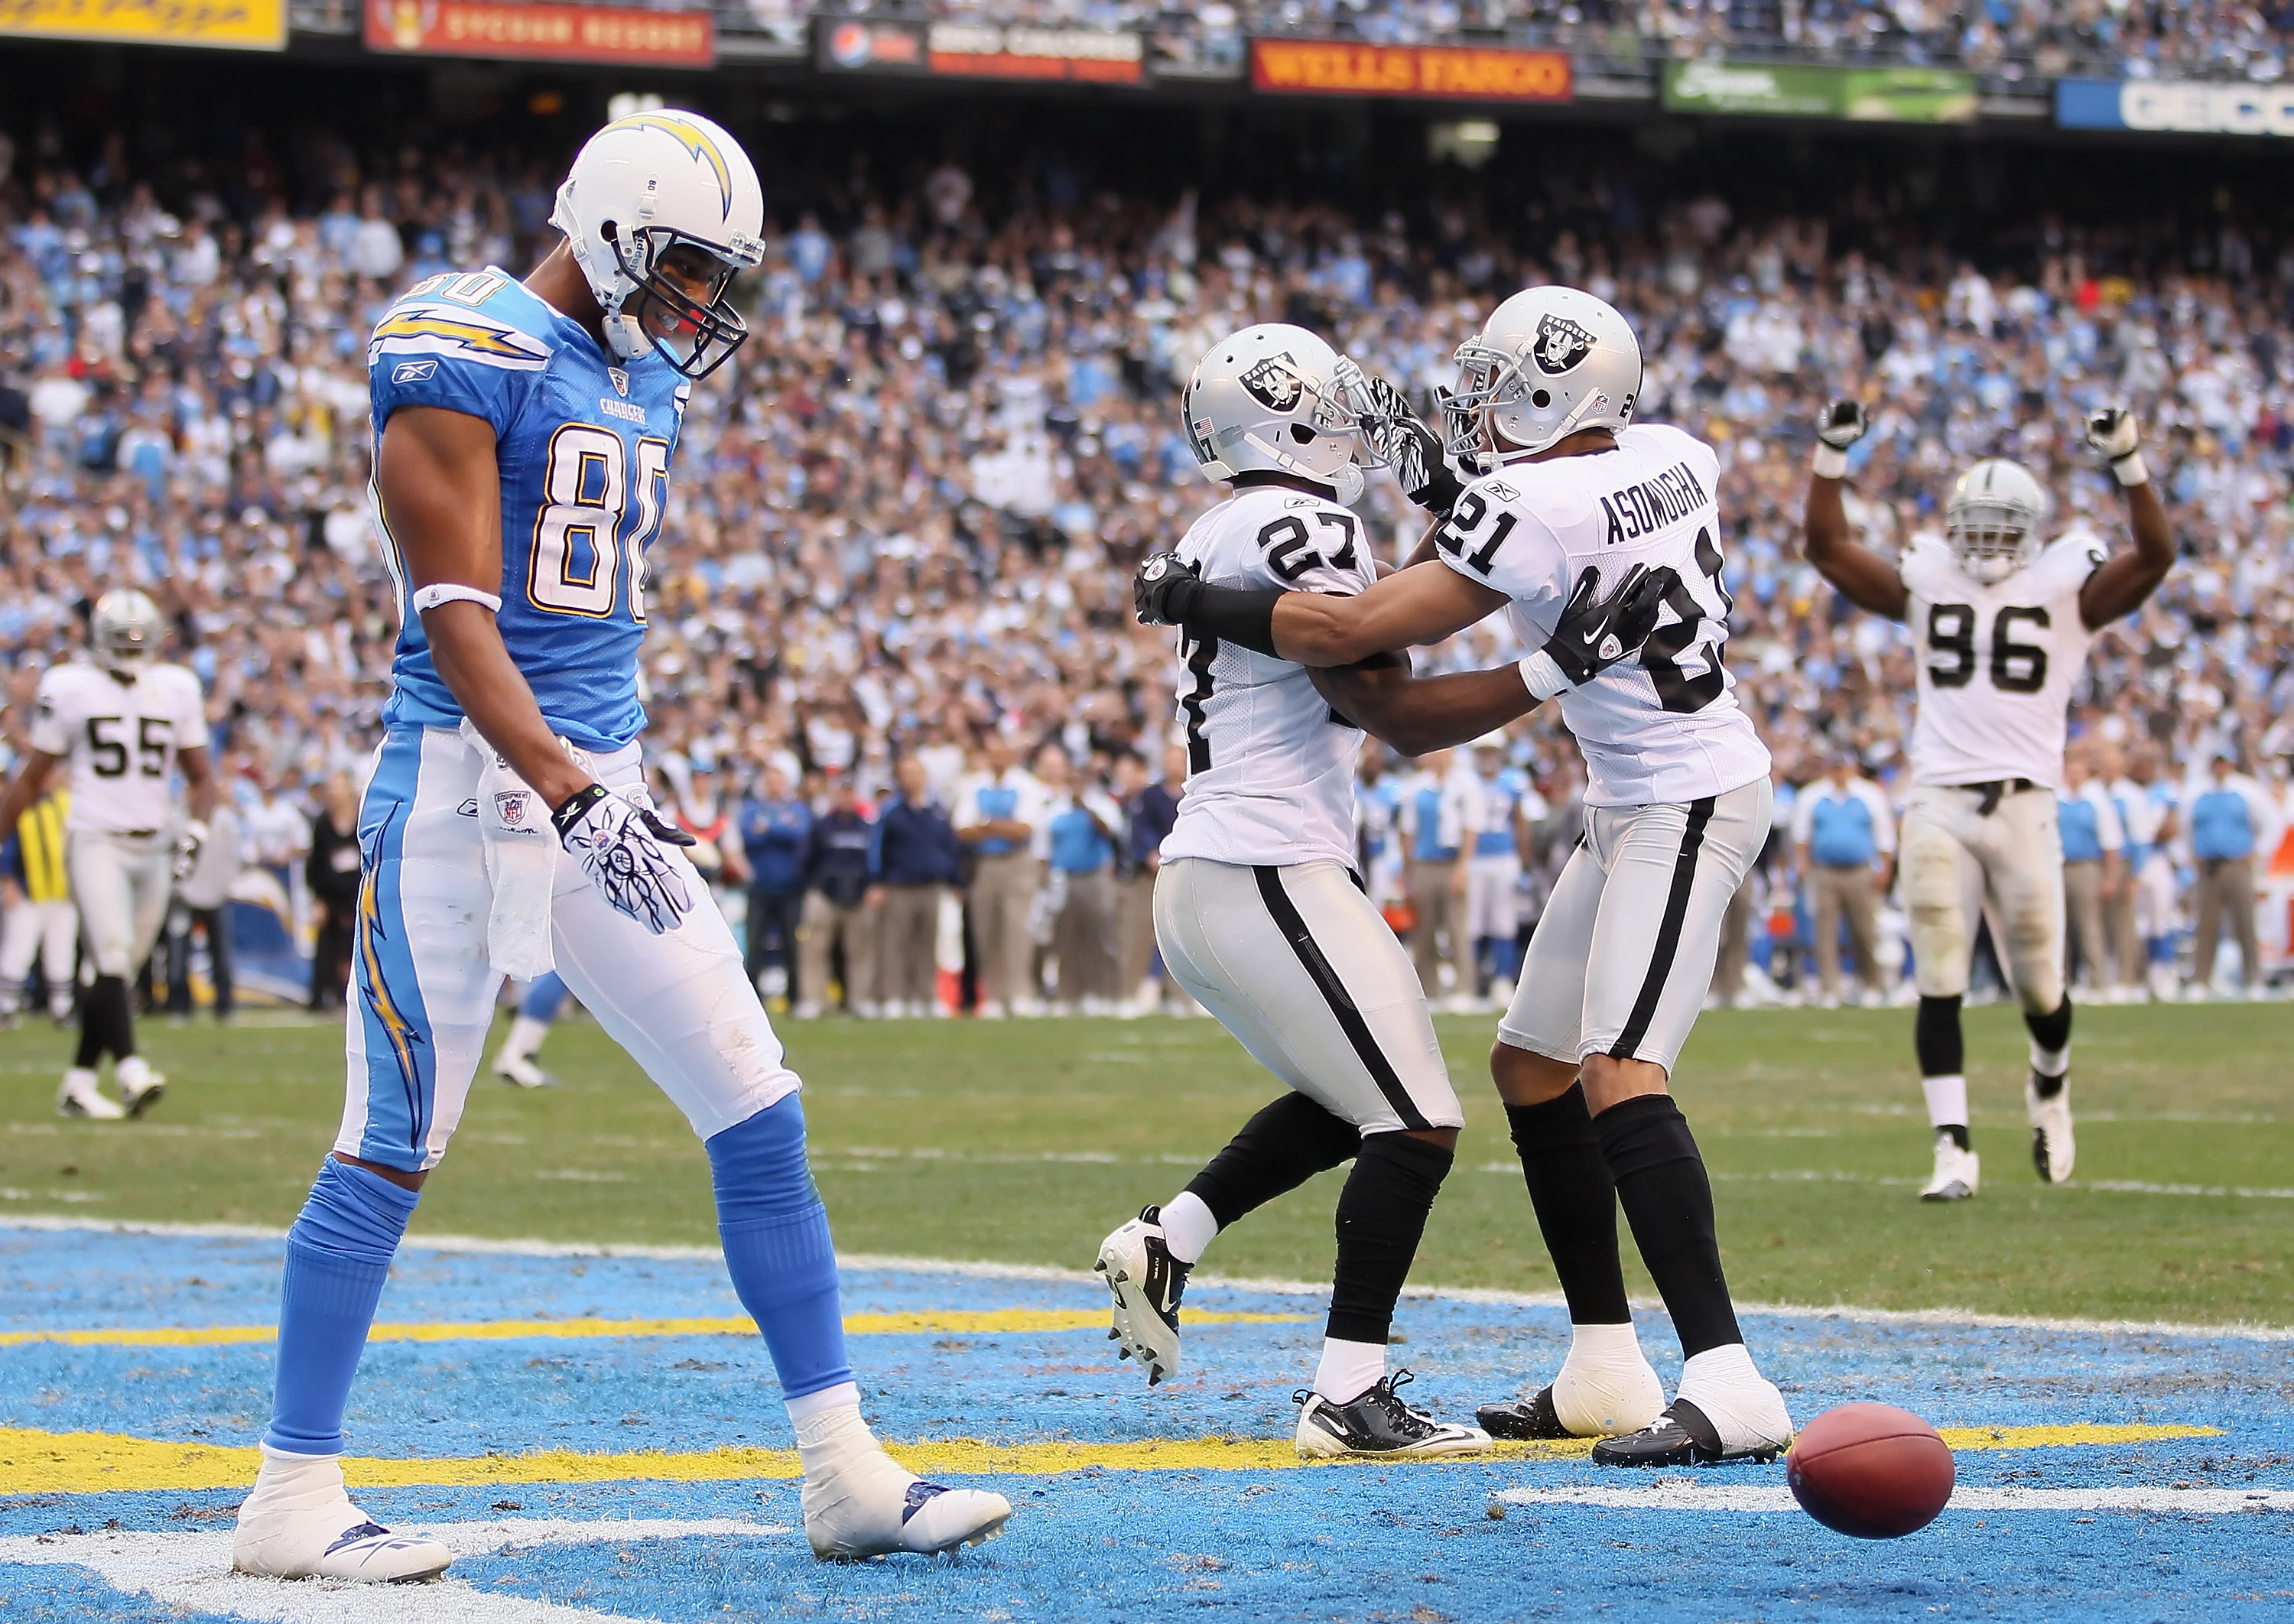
{"x":413,"y":371}
{"x":1639,"y":509}
{"x":469,"y":808}
{"x":1274,"y":385}
{"x":1560,"y":344}
{"x":1503,"y":491}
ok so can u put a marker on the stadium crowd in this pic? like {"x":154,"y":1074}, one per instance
{"x":892,"y":662}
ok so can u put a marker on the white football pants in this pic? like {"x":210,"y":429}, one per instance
{"x":1959,"y":865}
{"x":120,"y":883}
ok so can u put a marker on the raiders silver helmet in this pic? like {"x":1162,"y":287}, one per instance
{"x":1267,"y":400}
{"x":124,"y":631}
{"x":1549,"y":361}
{"x":1996,"y":519}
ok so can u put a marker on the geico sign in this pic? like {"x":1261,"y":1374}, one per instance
{"x":2228,"y":109}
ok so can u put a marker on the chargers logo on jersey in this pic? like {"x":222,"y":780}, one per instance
{"x":420,"y":329}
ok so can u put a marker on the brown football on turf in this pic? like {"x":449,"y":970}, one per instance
{"x":1870,"y":1470}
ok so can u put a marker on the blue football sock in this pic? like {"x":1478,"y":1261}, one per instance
{"x":338,"y":1254}
{"x":777,"y":1246}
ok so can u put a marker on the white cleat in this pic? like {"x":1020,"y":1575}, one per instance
{"x":522,"y":1072}
{"x":299,"y":1523}
{"x":140,"y":1086}
{"x":1146,"y":1282}
{"x":1956,"y":1171}
{"x":869,"y":1505}
{"x":2052,"y":1150}
{"x":78,"y":1096}
{"x":1378,"y":1422}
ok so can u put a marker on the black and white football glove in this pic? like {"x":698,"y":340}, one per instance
{"x":187,"y":849}
{"x":1398,"y":438}
{"x":1595,"y":633}
{"x":1160,"y":589}
{"x":1842,"y":424}
{"x":619,"y":845}
{"x":2113,"y":434}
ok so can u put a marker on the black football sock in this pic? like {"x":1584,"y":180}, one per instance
{"x":2050,"y":1049}
{"x":104,"y":1025}
{"x":1381,"y":1215}
{"x":1576,"y":1204}
{"x":1278,"y":1150}
{"x":1668,"y":1200}
{"x":1936,"y":1036}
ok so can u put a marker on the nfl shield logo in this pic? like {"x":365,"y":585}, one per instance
{"x":511,"y":804}
{"x":621,"y":381}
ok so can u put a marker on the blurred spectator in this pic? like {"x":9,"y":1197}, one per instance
{"x":914,"y":861}
{"x":775,"y":827}
{"x":2228,"y":820}
{"x":837,"y":919}
{"x":999,"y":815}
{"x":1439,"y":818}
{"x":1082,"y":825}
{"x":1844,"y":832}
{"x":332,"y":874}
{"x":1150,"y":809}
{"x":201,"y":903}
{"x":698,"y":811}
{"x":2094,"y":849}
{"x":38,"y":923}
{"x":1510,"y":810}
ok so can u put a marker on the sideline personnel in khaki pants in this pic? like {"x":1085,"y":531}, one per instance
{"x":1845,"y":833}
{"x":1000,"y":814}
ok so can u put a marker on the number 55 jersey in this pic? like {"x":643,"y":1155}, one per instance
{"x":1996,"y":661}
{"x":583,"y":446}
{"x":1667,"y":727}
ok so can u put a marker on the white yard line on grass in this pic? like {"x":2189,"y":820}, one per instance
{"x":191,"y":1573}
{"x":866,"y":1262}
{"x":1676,"y":1494}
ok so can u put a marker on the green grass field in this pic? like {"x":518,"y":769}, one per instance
{"x":1026,"y":1141}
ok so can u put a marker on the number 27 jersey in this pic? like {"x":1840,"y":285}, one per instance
{"x":1664,"y":728}
{"x":583,"y":443}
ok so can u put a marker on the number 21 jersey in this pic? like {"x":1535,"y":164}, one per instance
{"x":1664,"y":728}
{"x":583,"y":443}
{"x":1997,"y":662}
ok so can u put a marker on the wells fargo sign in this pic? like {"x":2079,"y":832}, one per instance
{"x":1328,"y":68}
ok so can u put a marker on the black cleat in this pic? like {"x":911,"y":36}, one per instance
{"x":1379,"y":1423}
{"x":1683,"y":1437}
{"x":1525,"y":1420}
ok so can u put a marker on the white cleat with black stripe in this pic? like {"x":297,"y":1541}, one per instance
{"x":1379,"y":1423}
{"x":299,"y":1523}
{"x":2050,"y":1115}
{"x":1958,"y":1172}
{"x":1146,"y":1282}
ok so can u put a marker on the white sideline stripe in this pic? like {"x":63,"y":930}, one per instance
{"x":191,"y":1573}
{"x":2121,"y":1187}
{"x":1673,"y":1494}
{"x":864,"y":1262}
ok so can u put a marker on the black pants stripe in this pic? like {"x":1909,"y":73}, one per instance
{"x":1288,"y":919}
{"x":1668,"y":932}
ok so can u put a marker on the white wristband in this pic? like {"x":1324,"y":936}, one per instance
{"x":2129,"y":469}
{"x":1543,"y":678}
{"x":439,"y":592}
{"x":1831,"y":461}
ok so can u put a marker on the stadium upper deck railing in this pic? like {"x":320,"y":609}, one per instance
{"x":1612,"y":58}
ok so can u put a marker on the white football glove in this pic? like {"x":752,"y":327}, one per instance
{"x":187,"y":849}
{"x":2113,"y":434}
{"x":1842,"y":424}
{"x":619,"y":845}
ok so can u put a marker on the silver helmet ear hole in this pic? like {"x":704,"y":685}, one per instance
{"x":1302,"y":435}
{"x":1540,"y":399}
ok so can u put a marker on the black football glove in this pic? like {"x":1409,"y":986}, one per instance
{"x":1398,"y":438}
{"x":1595,"y":633}
{"x":1159,"y":591}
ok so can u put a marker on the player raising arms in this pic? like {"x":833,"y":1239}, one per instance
{"x":125,"y":724}
{"x":1261,"y":917}
{"x":2003,"y":618}
{"x":522,"y":440}
{"x":1572,"y":497}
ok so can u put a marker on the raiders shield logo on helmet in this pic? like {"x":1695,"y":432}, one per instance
{"x":1561,"y":345}
{"x":1274,"y":386}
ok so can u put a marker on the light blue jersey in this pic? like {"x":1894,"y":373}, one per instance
{"x":584,"y":446}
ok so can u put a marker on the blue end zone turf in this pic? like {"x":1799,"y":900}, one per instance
{"x":1269,"y":1541}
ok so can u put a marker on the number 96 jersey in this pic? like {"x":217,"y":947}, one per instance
{"x":1665,"y":728}
{"x":1996,"y":661}
{"x":583,"y":446}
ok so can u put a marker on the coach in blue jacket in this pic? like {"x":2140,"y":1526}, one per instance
{"x":912,"y":858}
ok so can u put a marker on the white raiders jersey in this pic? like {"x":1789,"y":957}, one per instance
{"x":120,"y":739}
{"x":1270,"y":767}
{"x":1664,"y":728}
{"x":1997,"y":662}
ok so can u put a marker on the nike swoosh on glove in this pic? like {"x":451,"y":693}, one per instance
{"x":620,"y":846}
{"x":1595,"y":633}
{"x":1160,"y":589}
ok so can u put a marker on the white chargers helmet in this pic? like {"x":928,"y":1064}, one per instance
{"x":1267,"y":400}
{"x":1995,"y":519}
{"x":643,"y":188}
{"x":124,"y":630}
{"x":1549,"y":361}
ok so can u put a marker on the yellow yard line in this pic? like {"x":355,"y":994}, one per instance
{"x":976,"y":1323}
{"x":96,"y":1463}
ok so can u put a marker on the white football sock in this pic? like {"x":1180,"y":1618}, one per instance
{"x":1349,"y":1369}
{"x":524,"y":1040}
{"x":845,"y":1395}
{"x":1188,"y":1227}
{"x":2050,"y":1062}
{"x":1741,"y":1403}
{"x":1605,"y":1385}
{"x":1947,"y":1100}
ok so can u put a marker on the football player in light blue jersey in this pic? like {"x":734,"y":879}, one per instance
{"x":523,"y":437}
